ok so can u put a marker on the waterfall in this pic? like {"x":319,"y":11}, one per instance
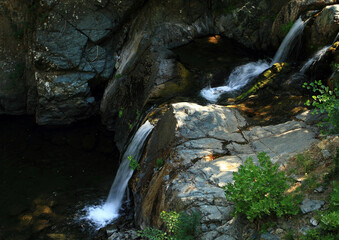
{"x":317,"y":56}
{"x":288,"y":43}
{"x":103,"y":214}
{"x":241,"y":75}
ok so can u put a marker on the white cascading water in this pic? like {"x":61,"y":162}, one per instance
{"x":241,"y":75}
{"x":238,"y":78}
{"x":101,"y":215}
{"x":317,"y":56}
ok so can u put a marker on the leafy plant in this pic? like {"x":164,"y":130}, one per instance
{"x":326,"y":102}
{"x":259,"y":191}
{"x":179,"y":226}
{"x":160,"y":163}
{"x":121,"y":112}
{"x":285,"y":28}
{"x":133,"y":163}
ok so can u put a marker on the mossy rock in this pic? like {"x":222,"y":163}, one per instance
{"x":264,"y":79}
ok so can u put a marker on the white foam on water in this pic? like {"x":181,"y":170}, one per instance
{"x":101,"y":215}
{"x":239,"y":77}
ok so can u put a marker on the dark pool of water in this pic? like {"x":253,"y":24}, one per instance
{"x":48,"y":174}
{"x":214,"y":57}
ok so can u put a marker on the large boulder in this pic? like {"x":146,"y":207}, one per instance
{"x":201,"y":147}
{"x":64,"y":98}
{"x":74,"y":47}
{"x":325,"y":27}
{"x":290,"y":12}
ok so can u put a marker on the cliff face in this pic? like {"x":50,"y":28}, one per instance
{"x":73,"y":59}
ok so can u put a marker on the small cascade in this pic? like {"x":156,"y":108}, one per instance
{"x":238,"y":78}
{"x":103,"y":214}
{"x":289,"y":41}
{"x":317,"y":56}
{"x":242,"y":75}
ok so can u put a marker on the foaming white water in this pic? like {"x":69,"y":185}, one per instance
{"x":101,"y":215}
{"x":239,"y":77}
{"x":288,"y":42}
{"x":242,"y":75}
{"x":317,"y":56}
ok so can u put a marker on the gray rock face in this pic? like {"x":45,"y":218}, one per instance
{"x":75,"y":39}
{"x":207,"y":145}
{"x":62,"y":46}
{"x":64,"y":98}
{"x":13,"y":85}
{"x":309,"y":205}
{"x":269,"y":236}
{"x":326,"y":26}
{"x":240,"y":21}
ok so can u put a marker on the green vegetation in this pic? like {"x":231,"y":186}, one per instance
{"x":133,"y":163}
{"x":179,"y":226}
{"x":305,"y":163}
{"x":117,"y":76}
{"x":259,"y":191}
{"x":329,"y":220}
{"x":326,"y":102}
{"x":160,"y":163}
{"x":121,"y":112}
{"x":285,"y":28}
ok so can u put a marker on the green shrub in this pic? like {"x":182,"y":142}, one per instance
{"x":259,"y":191}
{"x":133,"y":164}
{"x":326,"y":102}
{"x":179,"y":226}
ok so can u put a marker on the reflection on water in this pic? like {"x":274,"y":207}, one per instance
{"x":47,"y":173}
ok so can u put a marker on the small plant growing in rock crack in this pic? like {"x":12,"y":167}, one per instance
{"x":259,"y":191}
{"x":160,"y":163}
{"x":179,"y":226}
{"x":133,"y":163}
{"x":326,"y":102}
{"x":121,"y":112}
{"x":117,"y":76}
